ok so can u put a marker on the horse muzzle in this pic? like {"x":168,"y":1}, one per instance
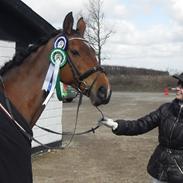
{"x":102,"y":96}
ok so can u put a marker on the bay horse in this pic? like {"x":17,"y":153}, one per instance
{"x":25,"y":84}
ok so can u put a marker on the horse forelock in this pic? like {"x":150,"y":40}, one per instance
{"x":20,"y":56}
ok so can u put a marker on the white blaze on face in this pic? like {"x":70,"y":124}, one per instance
{"x":108,"y":91}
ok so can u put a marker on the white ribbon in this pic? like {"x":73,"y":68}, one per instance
{"x":47,"y":80}
{"x":51,"y":74}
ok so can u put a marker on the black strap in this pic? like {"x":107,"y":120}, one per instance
{"x":90,"y":72}
{"x":68,"y":133}
{"x":77,"y":112}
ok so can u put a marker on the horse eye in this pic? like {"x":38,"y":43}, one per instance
{"x":75,"y":52}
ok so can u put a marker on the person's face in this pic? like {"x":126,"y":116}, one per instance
{"x":179,"y":90}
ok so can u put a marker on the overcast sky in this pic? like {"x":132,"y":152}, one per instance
{"x":148,"y":33}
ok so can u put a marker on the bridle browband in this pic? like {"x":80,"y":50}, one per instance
{"x":80,"y":77}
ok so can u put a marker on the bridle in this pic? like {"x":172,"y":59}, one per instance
{"x":80,"y":77}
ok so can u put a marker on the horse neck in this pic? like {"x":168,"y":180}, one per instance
{"x":23,"y":84}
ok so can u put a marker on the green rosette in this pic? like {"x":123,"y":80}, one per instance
{"x":58,"y":54}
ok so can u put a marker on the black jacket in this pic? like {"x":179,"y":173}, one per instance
{"x":166,"y":163}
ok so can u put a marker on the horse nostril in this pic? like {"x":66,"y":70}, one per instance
{"x":102,"y":93}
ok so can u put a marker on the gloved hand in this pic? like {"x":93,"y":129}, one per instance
{"x":108,"y":122}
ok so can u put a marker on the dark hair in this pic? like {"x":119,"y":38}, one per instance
{"x":180,"y":83}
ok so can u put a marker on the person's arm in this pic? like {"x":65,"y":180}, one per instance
{"x":133,"y":127}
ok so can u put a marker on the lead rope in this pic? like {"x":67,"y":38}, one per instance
{"x":77,"y":112}
{"x":71,"y":133}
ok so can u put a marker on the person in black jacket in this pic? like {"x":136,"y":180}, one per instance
{"x":166,"y":163}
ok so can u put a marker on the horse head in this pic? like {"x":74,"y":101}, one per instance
{"x":26,"y":79}
{"x":82,"y":69}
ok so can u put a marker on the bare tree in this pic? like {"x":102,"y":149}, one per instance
{"x":96,"y":32}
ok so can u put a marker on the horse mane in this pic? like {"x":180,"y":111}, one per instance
{"x":20,"y":56}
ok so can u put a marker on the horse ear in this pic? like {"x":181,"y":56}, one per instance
{"x":81,"y":26}
{"x":68,"y":23}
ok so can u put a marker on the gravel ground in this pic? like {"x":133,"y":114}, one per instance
{"x":101,"y":157}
